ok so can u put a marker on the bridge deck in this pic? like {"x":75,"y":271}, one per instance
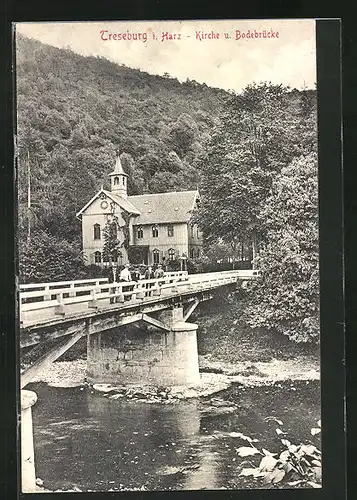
{"x":51,"y":303}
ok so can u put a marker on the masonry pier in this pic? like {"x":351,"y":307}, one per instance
{"x":162,"y":350}
{"x":28,"y":475}
{"x":163,"y":354}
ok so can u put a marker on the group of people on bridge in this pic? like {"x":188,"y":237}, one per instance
{"x":129,"y":272}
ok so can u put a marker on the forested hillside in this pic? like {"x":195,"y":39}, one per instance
{"x":74,"y":112}
{"x":253,"y":156}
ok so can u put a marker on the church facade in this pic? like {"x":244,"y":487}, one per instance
{"x":148,"y":228}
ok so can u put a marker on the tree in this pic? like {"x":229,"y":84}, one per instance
{"x":261,"y":131}
{"x":229,"y":197}
{"x":48,"y":258}
{"x":181,"y":134}
{"x":218,"y":253}
{"x":164,"y":181}
{"x":112,"y":244}
{"x":286,"y":298}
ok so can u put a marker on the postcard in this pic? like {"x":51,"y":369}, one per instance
{"x":168,"y":246}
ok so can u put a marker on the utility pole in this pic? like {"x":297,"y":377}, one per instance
{"x":28,"y":198}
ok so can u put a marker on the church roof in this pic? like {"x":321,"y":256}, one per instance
{"x":154,"y":208}
{"x":122,"y":202}
{"x":164,"y":207}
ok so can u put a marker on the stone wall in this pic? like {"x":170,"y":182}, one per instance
{"x":144,"y":357}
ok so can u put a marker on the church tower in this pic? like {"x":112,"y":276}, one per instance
{"x":119,"y":179}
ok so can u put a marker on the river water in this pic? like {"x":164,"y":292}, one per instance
{"x":88,"y":441}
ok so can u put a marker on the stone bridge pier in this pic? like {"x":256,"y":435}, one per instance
{"x":161,"y":355}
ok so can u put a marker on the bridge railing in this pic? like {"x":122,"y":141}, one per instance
{"x":33,"y":292}
{"x":177,"y":274}
{"x":241,"y":273}
{"x":64,"y":284}
{"x":57,"y":301}
{"x":39,"y":298}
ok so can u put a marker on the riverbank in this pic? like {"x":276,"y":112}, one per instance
{"x":190,"y":432}
{"x":228,"y":353}
{"x":250,"y":357}
{"x":223,"y":335}
{"x":215,"y":376}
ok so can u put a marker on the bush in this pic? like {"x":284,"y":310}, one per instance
{"x":174,"y":265}
{"x":299,"y":464}
{"x":286,"y":298}
{"x":194,"y":266}
{"x":46,"y":258}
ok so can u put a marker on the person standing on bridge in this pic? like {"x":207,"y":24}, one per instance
{"x":159,"y":273}
{"x":135,"y":274}
{"x":126,"y":276}
{"x":125,"y":273}
{"x":149,"y":273}
{"x":111,"y":279}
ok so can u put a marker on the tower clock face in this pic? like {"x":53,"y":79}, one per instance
{"x":104,"y":204}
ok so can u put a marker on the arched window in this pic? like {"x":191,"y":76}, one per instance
{"x":155,"y":231}
{"x":192,"y":229}
{"x":171,"y":254}
{"x":96,"y":231}
{"x":140,"y":233}
{"x":156,"y":256}
{"x":192,"y":253}
{"x":170,"y":230}
{"x":97,"y":257}
{"x":116,"y":180}
{"x":198,"y":253}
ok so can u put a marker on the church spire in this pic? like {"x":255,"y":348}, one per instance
{"x":118,"y":179}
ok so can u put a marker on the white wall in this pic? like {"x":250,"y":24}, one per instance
{"x":179,"y":241}
{"x":96,"y":215}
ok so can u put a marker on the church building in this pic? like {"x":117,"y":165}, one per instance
{"x":148,"y":228}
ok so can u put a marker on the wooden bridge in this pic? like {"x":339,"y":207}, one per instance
{"x":73,"y":309}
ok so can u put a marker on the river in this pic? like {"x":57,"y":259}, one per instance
{"x":86,"y":440}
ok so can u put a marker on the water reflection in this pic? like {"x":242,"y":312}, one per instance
{"x":205,"y":476}
{"x":126,"y":443}
{"x":90,"y":441}
{"x":154,"y":439}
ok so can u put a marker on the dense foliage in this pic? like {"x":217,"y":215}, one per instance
{"x":260,"y":189}
{"x":74,"y":112}
{"x":50,"y":258}
{"x":286,"y":298}
{"x":262,"y":130}
{"x":252,"y":155}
